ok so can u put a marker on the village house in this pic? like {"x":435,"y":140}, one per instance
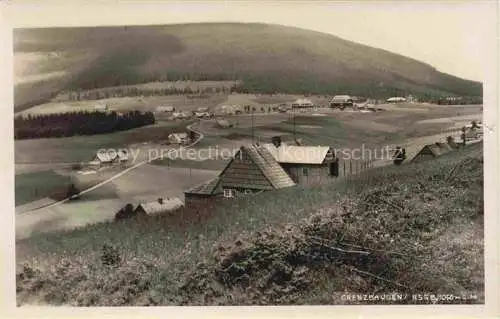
{"x":109,"y":158}
{"x":341,"y":100}
{"x":431,"y":151}
{"x":252,"y":170}
{"x":103,"y":158}
{"x":305,"y":164}
{"x":178,"y":138}
{"x":160,"y":206}
{"x":396,"y":99}
{"x":266,"y":167}
{"x":164,"y":109}
{"x":302,"y":103}
{"x":223,"y":124}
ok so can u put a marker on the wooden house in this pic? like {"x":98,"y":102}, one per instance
{"x":305,"y":164}
{"x":253,"y":169}
{"x":204,"y":194}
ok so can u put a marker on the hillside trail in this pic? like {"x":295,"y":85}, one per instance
{"x":118,"y":175}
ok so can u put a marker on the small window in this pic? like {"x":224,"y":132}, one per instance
{"x":305,"y":171}
{"x":229,"y":193}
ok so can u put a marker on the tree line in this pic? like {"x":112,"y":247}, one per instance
{"x":78,"y":123}
{"x":106,"y":93}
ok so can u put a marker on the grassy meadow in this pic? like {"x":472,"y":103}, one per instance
{"x":422,"y":223}
{"x":32,"y":186}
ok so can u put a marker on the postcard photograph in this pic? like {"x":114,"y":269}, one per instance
{"x":251,"y":154}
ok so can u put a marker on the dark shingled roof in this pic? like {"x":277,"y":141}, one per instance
{"x":206,"y":188}
{"x":255,"y":168}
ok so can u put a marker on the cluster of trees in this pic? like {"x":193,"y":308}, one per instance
{"x":466,"y":100}
{"x":78,"y":123}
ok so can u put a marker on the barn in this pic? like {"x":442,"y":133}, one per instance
{"x":306,"y":165}
{"x":431,"y":151}
{"x":162,"y":205}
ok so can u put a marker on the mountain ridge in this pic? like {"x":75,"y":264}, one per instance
{"x":267,"y":58}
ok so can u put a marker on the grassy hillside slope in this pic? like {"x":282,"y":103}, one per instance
{"x":409,"y":229}
{"x":266,"y":57}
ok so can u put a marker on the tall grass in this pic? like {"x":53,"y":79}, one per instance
{"x":173,"y":246}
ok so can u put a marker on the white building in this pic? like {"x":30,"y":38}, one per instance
{"x":396,"y":99}
{"x":302,"y":103}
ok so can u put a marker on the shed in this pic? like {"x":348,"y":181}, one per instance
{"x":162,"y":205}
{"x":432,"y":151}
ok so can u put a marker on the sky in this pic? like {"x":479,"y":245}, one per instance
{"x":452,"y":36}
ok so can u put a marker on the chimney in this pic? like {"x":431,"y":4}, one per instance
{"x":160,"y":201}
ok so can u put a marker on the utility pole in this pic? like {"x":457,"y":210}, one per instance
{"x":293,"y":114}
{"x":253,"y":133}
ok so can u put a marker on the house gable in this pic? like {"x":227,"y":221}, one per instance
{"x":242,"y":172}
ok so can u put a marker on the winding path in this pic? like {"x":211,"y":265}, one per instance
{"x":118,"y":175}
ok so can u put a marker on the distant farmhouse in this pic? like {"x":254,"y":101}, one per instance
{"x":164,"y":109}
{"x":302,"y":103}
{"x":101,"y":108}
{"x":109,"y":158}
{"x":341,"y":100}
{"x":396,"y":99}
{"x":224,"y":124}
{"x":431,"y":151}
{"x":264,"y":168}
{"x":178,"y":138}
{"x":180,"y":115}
